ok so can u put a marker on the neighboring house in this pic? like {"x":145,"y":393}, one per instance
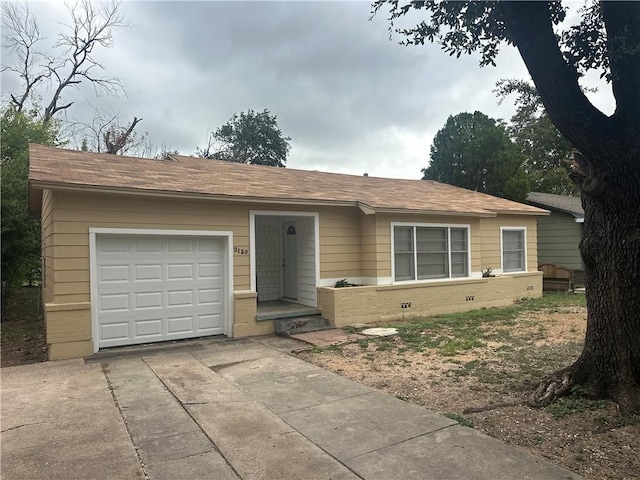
{"x":560,"y":232}
{"x":139,"y":250}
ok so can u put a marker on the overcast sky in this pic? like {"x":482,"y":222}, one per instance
{"x":351,"y":100}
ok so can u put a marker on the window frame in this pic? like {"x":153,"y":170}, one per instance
{"x":414,"y":226}
{"x":524,"y":249}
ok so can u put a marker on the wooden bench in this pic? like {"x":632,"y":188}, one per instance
{"x":556,"y":278}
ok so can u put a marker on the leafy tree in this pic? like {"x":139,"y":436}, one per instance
{"x":606,"y":167}
{"x":547,"y":153}
{"x":252,"y":137}
{"x":474,"y":151}
{"x":21,"y":248}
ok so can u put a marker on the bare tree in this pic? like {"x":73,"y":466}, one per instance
{"x":21,"y":38}
{"x":91,"y":26}
{"x":105,"y":133}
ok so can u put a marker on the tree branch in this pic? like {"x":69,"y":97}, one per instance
{"x":622,"y":22}
{"x":22,"y":38}
{"x":89,"y":28}
{"x":531,"y":30}
{"x":116,"y":141}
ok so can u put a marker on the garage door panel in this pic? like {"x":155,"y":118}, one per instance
{"x":148,"y":245}
{"x":182,"y":324}
{"x":176,"y":298}
{"x":114,"y":245}
{"x":209,"y":322}
{"x":180,"y":271}
{"x":209,"y":295}
{"x":113,"y":273}
{"x":146,"y":300}
{"x":118,"y":302}
{"x":154,"y":289}
{"x":182,"y":245}
{"x":210,"y":270}
{"x":148,"y":328}
{"x":145,"y":273}
{"x":115,"y":331}
{"x":207,"y":245}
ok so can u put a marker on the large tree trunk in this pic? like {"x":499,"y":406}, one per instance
{"x":608,"y":172}
{"x":609,"y":366}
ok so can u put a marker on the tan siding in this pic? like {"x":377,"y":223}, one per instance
{"x":76,"y":213}
{"x":71,"y":298}
{"x":66,"y":276}
{"x":73,"y":264}
{"x":47,"y":246}
{"x":368,"y":246}
{"x":70,"y":239}
{"x":351,"y":243}
{"x":490,"y":239}
{"x":150,"y":218}
{"x":353,"y":249}
{"x":340,"y":243}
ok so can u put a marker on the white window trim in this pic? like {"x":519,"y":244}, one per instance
{"x":93,"y":269}
{"x":415,"y":256}
{"x":513,"y":229}
{"x":280,"y":213}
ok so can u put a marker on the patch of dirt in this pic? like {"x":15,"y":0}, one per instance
{"x":24,"y":349}
{"x":23,"y":338}
{"x":489,"y":385}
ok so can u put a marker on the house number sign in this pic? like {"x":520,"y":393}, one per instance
{"x":240,"y":251}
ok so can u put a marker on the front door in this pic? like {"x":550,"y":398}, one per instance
{"x":289,"y":260}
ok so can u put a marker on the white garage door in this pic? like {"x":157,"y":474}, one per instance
{"x":152,"y":288}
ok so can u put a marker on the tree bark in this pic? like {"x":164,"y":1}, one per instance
{"x":609,"y":366}
{"x":608,"y":172}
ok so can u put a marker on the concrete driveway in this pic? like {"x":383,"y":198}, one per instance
{"x":225,"y":409}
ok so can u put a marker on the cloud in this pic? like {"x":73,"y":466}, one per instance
{"x":351,"y":100}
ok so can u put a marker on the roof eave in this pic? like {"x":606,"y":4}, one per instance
{"x":404,"y":211}
{"x":42,"y":185}
{"x":539,"y":212}
{"x":39,"y":185}
{"x":558,"y":209}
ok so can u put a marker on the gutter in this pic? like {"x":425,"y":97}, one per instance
{"x":37,"y":186}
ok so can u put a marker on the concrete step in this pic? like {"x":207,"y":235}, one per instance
{"x":298,"y":312}
{"x":310,"y":323}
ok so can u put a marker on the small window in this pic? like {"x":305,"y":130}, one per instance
{"x":513,"y":250}
{"x":426,"y":253}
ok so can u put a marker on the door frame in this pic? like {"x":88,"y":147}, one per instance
{"x":281,"y":213}
{"x":94,"y":232}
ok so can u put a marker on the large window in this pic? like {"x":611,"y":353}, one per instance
{"x":429,"y":252}
{"x":513,"y":250}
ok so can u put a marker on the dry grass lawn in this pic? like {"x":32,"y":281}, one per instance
{"x":479,"y":368}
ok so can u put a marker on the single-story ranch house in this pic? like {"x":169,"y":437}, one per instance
{"x":138,"y":250}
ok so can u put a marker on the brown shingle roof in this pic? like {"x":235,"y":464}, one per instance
{"x":60,"y":168}
{"x":563,"y":203}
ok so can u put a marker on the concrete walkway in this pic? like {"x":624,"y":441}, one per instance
{"x":229,"y":410}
